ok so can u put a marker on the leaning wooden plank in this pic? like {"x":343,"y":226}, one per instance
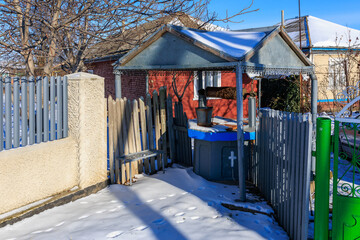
{"x":128,"y":131}
{"x":131,"y":136}
{"x":143,"y":131}
{"x":124,"y":139}
{"x":157,"y":126}
{"x":170,"y":124}
{"x":149,"y":117}
{"x":162,"y":98}
{"x":118,"y":140}
{"x":137,"y":134}
{"x":111,"y":138}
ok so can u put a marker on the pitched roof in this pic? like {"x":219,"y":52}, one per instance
{"x":120,"y":44}
{"x":178,"y":47}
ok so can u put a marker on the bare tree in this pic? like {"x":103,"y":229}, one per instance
{"x":50,"y":34}
{"x":343,"y":72}
{"x":179,"y":93}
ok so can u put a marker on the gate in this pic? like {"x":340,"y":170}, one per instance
{"x":345,"y":144}
{"x":346,"y":186}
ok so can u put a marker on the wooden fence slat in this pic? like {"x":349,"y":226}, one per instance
{"x":157,"y":127}
{"x":187,"y":145}
{"x":171,"y":129}
{"x":117,"y":151}
{"x":149,"y":117}
{"x":111,"y":138}
{"x":136,"y":123}
{"x":143,"y":132}
{"x":125,"y":142}
{"x":131,"y":135}
{"x":162,"y":97}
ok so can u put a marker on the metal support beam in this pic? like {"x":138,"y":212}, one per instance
{"x":240,"y":132}
{"x":118,"y":84}
{"x":147,"y":82}
{"x":314,"y":98}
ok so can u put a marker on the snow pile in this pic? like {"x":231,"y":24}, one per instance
{"x":175,"y":205}
{"x":235,"y":44}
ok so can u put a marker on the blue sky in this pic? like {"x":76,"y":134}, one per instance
{"x":346,"y":12}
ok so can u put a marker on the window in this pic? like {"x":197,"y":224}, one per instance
{"x":209,"y":79}
{"x":337,"y":73}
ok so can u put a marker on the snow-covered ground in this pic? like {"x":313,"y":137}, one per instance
{"x":176,"y":205}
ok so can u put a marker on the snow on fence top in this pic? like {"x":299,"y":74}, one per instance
{"x":235,"y":44}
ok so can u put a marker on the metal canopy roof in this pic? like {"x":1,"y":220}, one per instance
{"x":178,"y":48}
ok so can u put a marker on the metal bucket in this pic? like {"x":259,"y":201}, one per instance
{"x":204,"y":115}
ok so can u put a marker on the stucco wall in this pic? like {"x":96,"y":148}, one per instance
{"x":87,"y":125}
{"x":35,"y":172}
{"x":321,"y":61}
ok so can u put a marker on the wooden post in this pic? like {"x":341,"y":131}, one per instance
{"x":157,"y":127}
{"x":136,"y":123}
{"x":118,"y":140}
{"x":143,"y":131}
{"x":111,"y":138}
{"x":171,"y":129}
{"x":149,"y":117}
{"x":125,"y":142}
{"x":132,"y":140}
{"x":162,"y":95}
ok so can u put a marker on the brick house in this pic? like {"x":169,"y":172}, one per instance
{"x":104,"y":55}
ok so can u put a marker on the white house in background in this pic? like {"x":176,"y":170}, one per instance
{"x":334,"y":49}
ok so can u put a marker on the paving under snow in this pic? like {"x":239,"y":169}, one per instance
{"x":176,"y":205}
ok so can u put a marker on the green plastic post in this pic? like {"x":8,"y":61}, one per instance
{"x":322,"y":185}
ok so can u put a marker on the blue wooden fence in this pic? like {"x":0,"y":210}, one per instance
{"x":34,"y":110}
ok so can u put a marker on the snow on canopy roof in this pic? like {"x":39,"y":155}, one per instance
{"x":321,"y":33}
{"x":235,"y":44}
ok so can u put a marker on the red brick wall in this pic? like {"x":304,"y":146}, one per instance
{"x":221,"y":107}
{"x":133,"y":84}
{"x":106,"y":70}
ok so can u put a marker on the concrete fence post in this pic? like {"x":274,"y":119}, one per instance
{"x":87,"y":125}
